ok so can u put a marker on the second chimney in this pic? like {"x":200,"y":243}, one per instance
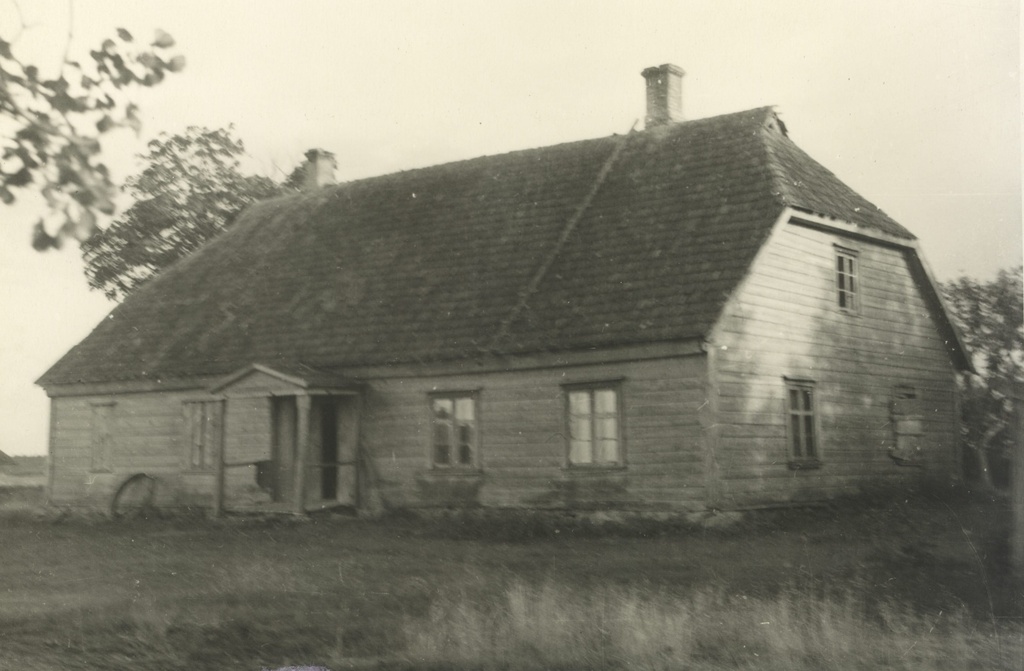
{"x":320,"y":166}
{"x":664,"y":94}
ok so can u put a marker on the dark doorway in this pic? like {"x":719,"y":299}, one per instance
{"x":329,"y":451}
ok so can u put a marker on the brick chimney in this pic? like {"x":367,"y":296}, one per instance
{"x":320,"y":166}
{"x":664,"y":94}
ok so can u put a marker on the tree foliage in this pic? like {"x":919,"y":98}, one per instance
{"x":190,"y":190}
{"x":991,"y":318}
{"x":50,"y":128}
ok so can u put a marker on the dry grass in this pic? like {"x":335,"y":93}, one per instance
{"x":849,"y":587}
{"x":552,"y":626}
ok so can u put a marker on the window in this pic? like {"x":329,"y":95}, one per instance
{"x":100,"y":436}
{"x":454,"y":434}
{"x":802,"y":428}
{"x":847,"y":283}
{"x":203,"y":430}
{"x":595,"y":429}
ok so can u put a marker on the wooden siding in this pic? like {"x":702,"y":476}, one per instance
{"x":521,"y":417}
{"x":785,"y":322}
{"x":147,"y":434}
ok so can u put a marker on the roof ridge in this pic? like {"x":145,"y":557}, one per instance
{"x":556,"y":249}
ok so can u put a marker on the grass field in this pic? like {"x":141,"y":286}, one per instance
{"x":919,"y":583}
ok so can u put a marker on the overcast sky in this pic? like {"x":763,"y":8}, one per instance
{"x":916,"y":105}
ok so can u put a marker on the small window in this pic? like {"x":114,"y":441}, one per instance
{"x":454,"y":431}
{"x":847,"y":282}
{"x":203,"y":430}
{"x":595,"y":426}
{"x":802,"y":428}
{"x":101,"y":437}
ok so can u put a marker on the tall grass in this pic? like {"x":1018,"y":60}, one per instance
{"x":554,"y":626}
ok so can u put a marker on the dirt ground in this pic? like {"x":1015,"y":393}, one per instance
{"x":186,"y":592}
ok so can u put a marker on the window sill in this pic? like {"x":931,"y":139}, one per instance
{"x":804,"y":464}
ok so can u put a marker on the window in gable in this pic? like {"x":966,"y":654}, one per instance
{"x":455,"y":438}
{"x":594,"y":418}
{"x":847,"y":281}
{"x":101,"y":439}
{"x":203,"y":433}
{"x":802,"y":426}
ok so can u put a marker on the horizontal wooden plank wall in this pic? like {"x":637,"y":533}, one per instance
{"x":147,"y":433}
{"x":786,"y":322}
{"x":521,"y":416}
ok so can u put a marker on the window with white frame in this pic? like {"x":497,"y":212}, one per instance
{"x":847,"y":281}
{"x":804,"y":447}
{"x":455,"y":438}
{"x":594,"y":418}
{"x":203,"y":431}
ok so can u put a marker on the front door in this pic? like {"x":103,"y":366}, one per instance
{"x":334,"y":436}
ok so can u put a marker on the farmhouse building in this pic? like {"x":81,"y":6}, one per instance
{"x":693,"y":316}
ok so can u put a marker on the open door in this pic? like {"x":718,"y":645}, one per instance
{"x":334,"y":435}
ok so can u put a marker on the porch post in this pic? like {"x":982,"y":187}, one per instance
{"x":218,"y":483}
{"x":302,"y":403}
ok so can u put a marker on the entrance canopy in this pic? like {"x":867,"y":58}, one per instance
{"x":284,"y":380}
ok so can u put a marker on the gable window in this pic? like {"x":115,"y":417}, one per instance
{"x":804,"y":450}
{"x":454,"y":430}
{"x":847,"y":282}
{"x":203,"y":431}
{"x":594,"y":425}
{"x":101,"y":441}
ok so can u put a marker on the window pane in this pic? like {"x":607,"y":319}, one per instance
{"x":797,"y":443}
{"x":608,"y":451}
{"x":604,"y":401}
{"x":580,"y":452}
{"x":579,"y":428}
{"x":464,"y":408}
{"x":607,"y":427}
{"x":579,"y":403}
{"x":793,"y":400}
{"x":465,"y":444}
{"x":442,"y":454}
{"x":806,"y":395}
{"x":443,"y":407}
{"x":809,"y":436}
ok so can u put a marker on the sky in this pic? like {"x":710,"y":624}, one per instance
{"x":915,"y":104}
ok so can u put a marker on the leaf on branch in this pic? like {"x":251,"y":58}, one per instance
{"x":124,"y":35}
{"x":105,"y":124}
{"x":6,"y":196}
{"x":5,"y":50}
{"x":20,"y":178}
{"x":177,"y":64}
{"x":131,"y":119}
{"x":109,"y":47}
{"x":163,"y":40}
{"x":41,"y":240}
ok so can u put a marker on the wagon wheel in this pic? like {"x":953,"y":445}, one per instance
{"x":134,"y":496}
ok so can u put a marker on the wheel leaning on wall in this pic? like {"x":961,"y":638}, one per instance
{"x":134,"y":496}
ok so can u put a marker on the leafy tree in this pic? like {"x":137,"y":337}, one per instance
{"x":50,"y":127}
{"x":190,"y":190}
{"x":991,"y":317}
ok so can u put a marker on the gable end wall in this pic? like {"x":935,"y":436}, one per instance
{"x":785,"y":321}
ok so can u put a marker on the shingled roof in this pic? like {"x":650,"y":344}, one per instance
{"x":613,"y":241}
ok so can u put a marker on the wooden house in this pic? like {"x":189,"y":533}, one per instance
{"x":694,"y":316}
